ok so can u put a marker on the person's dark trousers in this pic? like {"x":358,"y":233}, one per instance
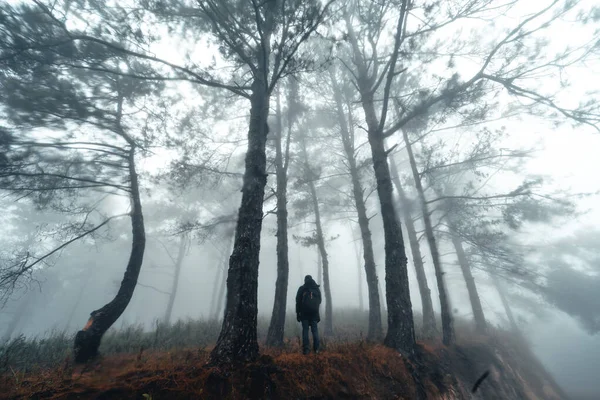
{"x":315,"y":334}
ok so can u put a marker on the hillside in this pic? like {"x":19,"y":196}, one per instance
{"x":350,"y":370}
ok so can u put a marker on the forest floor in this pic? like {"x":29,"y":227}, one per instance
{"x":350,"y":370}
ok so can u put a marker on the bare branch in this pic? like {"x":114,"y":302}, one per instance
{"x":153,"y":288}
{"x":499,"y":196}
{"x":25,"y":266}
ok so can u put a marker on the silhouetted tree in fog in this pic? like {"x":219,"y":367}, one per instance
{"x":265,"y":39}
{"x":282,"y":160}
{"x":262,"y":42}
{"x":406,"y":207}
{"x":447,"y":324}
{"x":48,"y":90}
{"x":343,"y":98}
{"x":177,"y":264}
{"x":370,"y":71}
{"x":310,"y":174}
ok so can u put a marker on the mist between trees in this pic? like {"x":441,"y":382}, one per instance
{"x":155,"y":153}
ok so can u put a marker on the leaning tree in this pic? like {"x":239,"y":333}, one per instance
{"x":95,"y":128}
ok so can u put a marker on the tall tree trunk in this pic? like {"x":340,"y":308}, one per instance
{"x":401,"y":329}
{"x":429,"y":329}
{"x":346,"y":129}
{"x":88,"y":339}
{"x":183,"y":244}
{"x":310,"y":177}
{"x":505,"y":304}
{"x":324,"y":259}
{"x":275,"y":333}
{"x":319,"y":265}
{"x":223,"y":276}
{"x":447,"y":323}
{"x":375,"y":326}
{"x":465,"y":267}
{"x":359,"y":264}
{"x":238,"y":338}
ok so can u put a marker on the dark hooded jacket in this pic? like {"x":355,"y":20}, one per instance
{"x":309,"y":282}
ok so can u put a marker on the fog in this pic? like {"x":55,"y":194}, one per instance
{"x":504,"y":163}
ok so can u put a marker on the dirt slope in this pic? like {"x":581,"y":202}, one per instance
{"x":353,"y":371}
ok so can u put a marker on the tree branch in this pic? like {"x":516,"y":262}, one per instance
{"x":499,"y":196}
{"x":25,"y":267}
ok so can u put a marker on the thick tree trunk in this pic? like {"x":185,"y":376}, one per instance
{"x":505,"y":304}
{"x":238,"y":338}
{"x":275,"y":333}
{"x":325,"y":260}
{"x":465,"y":267}
{"x":88,"y":339}
{"x":447,"y":323}
{"x":401,"y":327}
{"x":429,"y":329}
{"x":222,"y":285}
{"x":183,"y":243}
{"x":375,"y":326}
{"x":401,"y":331}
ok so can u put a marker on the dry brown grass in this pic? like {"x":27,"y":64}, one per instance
{"x":351,"y":370}
{"x":344,"y":370}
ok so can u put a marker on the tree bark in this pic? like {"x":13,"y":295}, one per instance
{"x":88,"y":339}
{"x":447,"y":323}
{"x":401,"y":332}
{"x":465,"y":267}
{"x":429,"y":329}
{"x":238,"y":338}
{"x":183,"y":244}
{"x":275,"y":333}
{"x":375,"y":331}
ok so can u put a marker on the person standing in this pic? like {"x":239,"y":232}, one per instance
{"x":308,"y":301}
